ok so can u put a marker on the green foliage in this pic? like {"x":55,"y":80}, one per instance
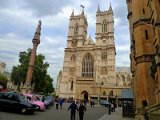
{"x":42,"y":81}
{"x":3,"y":81}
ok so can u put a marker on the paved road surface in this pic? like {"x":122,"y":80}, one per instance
{"x":96,"y":113}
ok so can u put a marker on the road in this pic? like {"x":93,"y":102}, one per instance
{"x":52,"y":114}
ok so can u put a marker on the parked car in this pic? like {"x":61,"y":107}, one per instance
{"x":50,"y":99}
{"x":15,"y":102}
{"x":104,"y":103}
{"x":44,"y":100}
{"x":32,"y":98}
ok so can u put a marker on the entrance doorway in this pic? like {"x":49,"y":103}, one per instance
{"x":85,"y":95}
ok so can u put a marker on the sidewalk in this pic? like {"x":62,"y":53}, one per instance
{"x":115,"y":116}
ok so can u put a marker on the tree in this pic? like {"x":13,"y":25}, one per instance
{"x":3,"y":81}
{"x":40,"y":77}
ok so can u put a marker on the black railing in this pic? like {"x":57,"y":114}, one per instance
{"x":128,"y":111}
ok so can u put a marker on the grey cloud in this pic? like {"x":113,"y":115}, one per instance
{"x":6,"y":3}
{"x":120,"y":12}
{"x":38,"y":7}
{"x":46,"y":7}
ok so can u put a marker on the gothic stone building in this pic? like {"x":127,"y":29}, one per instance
{"x":144,"y":20}
{"x":89,"y":67}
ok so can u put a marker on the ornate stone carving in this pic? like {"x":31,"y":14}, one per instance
{"x":103,"y":70}
{"x":144,"y":58}
{"x":71,"y":71}
{"x":74,"y":43}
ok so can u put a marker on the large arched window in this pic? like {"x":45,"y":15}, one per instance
{"x":87,"y":66}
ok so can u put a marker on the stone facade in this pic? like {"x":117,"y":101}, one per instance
{"x":89,"y":67}
{"x":144,"y":20}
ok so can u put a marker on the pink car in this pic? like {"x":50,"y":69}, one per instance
{"x":32,"y":98}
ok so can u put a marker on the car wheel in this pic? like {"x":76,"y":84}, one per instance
{"x":23,"y":110}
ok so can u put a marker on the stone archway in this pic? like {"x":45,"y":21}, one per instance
{"x":85,"y":95}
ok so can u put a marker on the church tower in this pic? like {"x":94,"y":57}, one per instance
{"x":77,"y":32}
{"x":105,"y":27}
{"x":105,"y":41}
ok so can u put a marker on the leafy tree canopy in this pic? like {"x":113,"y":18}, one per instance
{"x":3,"y":80}
{"x":42,"y":81}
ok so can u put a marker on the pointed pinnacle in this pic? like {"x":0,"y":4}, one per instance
{"x":72,"y":13}
{"x":98,"y":9}
{"x":110,"y":7}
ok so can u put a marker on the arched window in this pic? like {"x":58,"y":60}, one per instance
{"x":128,"y":78}
{"x":104,"y":92}
{"x":73,"y":58}
{"x":117,"y":80}
{"x":104,"y":81}
{"x":111,"y":93}
{"x":87,"y":66}
{"x":76,"y":29}
{"x":104,"y":56}
{"x":71,"y":85}
{"x":104,"y":26}
{"x":123,"y":78}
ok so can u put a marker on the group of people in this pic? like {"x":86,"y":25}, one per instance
{"x":82,"y":107}
{"x":73,"y":108}
{"x":111,"y":108}
{"x":59,"y":101}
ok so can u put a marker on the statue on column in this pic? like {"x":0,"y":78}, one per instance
{"x":27,"y":87}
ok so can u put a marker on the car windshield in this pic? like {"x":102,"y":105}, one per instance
{"x":34,"y":98}
{"x":49,"y":97}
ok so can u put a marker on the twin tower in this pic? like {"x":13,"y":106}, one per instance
{"x":77,"y":33}
{"x":88,"y":65}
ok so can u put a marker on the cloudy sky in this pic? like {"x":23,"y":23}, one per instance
{"x":19,"y":19}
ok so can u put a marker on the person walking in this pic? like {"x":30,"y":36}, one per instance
{"x":73,"y":108}
{"x":61,"y":102}
{"x":112,"y":107}
{"x":57,"y":103}
{"x":91,"y":103}
{"x":109,"y":109}
{"x":85,"y":102}
{"x":81,"y":110}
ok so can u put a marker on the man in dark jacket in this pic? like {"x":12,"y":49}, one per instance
{"x":73,"y":108}
{"x":81,"y":109}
